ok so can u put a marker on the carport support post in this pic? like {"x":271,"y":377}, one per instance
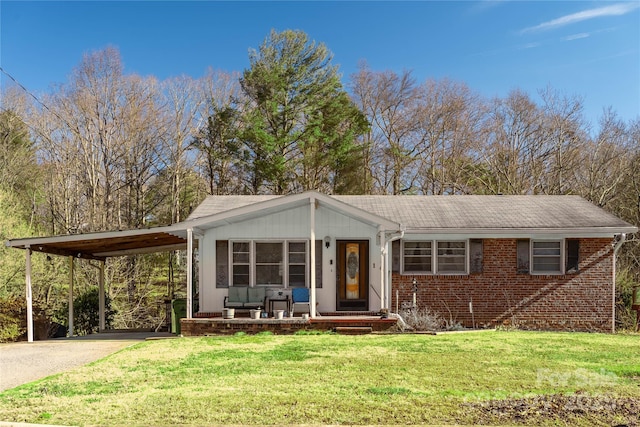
{"x":312,"y":253}
{"x":189,"y":272}
{"x":101,"y":296}
{"x":29,"y":297}
{"x":70,"y":332}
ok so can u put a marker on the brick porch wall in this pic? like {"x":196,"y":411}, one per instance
{"x":571,"y":302}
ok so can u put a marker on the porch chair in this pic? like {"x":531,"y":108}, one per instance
{"x":299,"y":296}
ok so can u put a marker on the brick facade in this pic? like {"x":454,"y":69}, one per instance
{"x":582,"y":301}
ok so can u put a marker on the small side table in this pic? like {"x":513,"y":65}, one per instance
{"x":285,"y":299}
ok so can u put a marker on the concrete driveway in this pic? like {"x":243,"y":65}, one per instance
{"x":24,"y":362}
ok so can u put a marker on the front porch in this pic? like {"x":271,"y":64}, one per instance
{"x":337,"y":322}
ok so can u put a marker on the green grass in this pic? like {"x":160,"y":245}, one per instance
{"x":489,"y":377}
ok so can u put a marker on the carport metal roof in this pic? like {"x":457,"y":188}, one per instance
{"x":102,"y":245}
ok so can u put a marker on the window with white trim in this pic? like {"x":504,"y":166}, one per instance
{"x":297,"y":257}
{"x":241,"y":263}
{"x":546,"y":257}
{"x":417,"y":257}
{"x":449,"y":257}
{"x":269,"y":263}
{"x":452,"y":257}
{"x":266,"y":263}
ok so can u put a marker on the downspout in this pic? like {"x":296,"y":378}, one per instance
{"x":392,"y":237}
{"x":616,"y":248}
{"x":386,"y":272}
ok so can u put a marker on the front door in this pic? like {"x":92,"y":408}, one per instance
{"x":353,"y":275}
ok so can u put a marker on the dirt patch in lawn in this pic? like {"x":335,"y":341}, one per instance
{"x":578,"y":408}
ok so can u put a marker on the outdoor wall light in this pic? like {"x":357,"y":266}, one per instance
{"x":327,"y":241}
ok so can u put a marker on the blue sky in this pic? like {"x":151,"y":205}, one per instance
{"x":585,"y":48}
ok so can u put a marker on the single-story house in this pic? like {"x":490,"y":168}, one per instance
{"x":542,"y":262}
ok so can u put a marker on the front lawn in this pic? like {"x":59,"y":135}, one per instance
{"x":472,"y":378}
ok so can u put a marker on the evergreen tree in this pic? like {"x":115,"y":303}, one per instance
{"x":300,"y":125}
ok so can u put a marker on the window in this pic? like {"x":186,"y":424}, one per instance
{"x":452,"y":257}
{"x":240,"y":259}
{"x":417,"y":257}
{"x":269,"y":263}
{"x":546,"y":256}
{"x":297,"y":253}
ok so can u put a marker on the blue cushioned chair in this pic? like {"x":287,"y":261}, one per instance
{"x":299,"y":296}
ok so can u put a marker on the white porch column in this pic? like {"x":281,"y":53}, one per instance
{"x":312,"y":257}
{"x":189,"y":273}
{"x":383,"y":268}
{"x":201,"y":292}
{"x":70,"y":332}
{"x":101,"y":297}
{"x":29,"y":297}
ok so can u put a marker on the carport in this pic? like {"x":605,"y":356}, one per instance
{"x":102,"y":245}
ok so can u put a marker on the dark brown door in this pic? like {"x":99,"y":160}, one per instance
{"x":353,"y":275}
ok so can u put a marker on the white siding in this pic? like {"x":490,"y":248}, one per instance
{"x":293,"y":224}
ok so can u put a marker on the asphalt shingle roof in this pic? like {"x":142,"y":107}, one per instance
{"x":459,"y":212}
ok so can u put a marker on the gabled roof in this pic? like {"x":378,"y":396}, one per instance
{"x":230,"y":209}
{"x":215,"y":204}
{"x":498,"y":214}
{"x":483,"y":215}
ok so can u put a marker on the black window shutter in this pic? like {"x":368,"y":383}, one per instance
{"x":395,"y":256}
{"x":475,"y":255}
{"x":573,"y":251}
{"x":222,"y":263}
{"x":523,"y":256}
{"x":318,"y":263}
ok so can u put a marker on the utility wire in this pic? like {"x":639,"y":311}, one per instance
{"x":28,"y":92}
{"x":24,"y":88}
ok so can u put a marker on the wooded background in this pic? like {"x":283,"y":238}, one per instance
{"x":112,"y":151}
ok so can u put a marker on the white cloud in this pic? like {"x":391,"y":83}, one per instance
{"x":576,"y":37}
{"x":612,"y":10}
{"x":529,"y":46}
